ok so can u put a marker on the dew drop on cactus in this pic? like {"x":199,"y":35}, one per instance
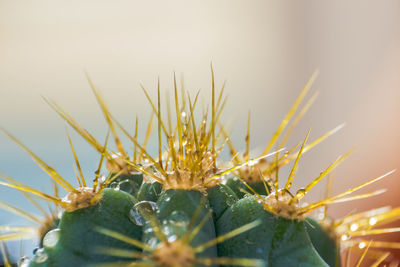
{"x":140,"y":210}
{"x":23,"y":262}
{"x":114,"y":185}
{"x":178,"y":221}
{"x":125,"y":185}
{"x":40,"y":255}
{"x":51,"y":238}
{"x":172,"y":238}
{"x":301,"y":193}
{"x":179,"y":218}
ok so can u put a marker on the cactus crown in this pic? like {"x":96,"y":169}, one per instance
{"x":174,"y":254}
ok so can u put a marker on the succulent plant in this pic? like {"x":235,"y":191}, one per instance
{"x":188,"y":207}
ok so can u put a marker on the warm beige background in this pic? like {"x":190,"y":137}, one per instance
{"x":265,"y":49}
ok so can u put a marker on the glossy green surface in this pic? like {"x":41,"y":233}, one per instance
{"x":149,"y":191}
{"x":220,"y":197}
{"x":128,"y":183}
{"x":278,"y":241}
{"x":54,"y":225}
{"x":325,"y":245}
{"x":78,"y":238}
{"x":239,"y":188}
{"x":176,"y":209}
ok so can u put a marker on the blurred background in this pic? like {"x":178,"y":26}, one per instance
{"x":265,"y":50}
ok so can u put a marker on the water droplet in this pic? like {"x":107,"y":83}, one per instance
{"x":59,"y":214}
{"x":126,"y":186}
{"x":152,"y":242}
{"x":230,"y":200}
{"x":142,"y":210}
{"x":24,"y":262}
{"x":167,"y":199}
{"x":184,"y":140}
{"x":354,"y":227}
{"x":304,"y":204}
{"x":167,"y":230}
{"x":301,"y":193}
{"x":135,"y":172}
{"x":372,"y":221}
{"x":114,"y":185}
{"x":102,"y":178}
{"x":183,"y":114}
{"x":175,"y":224}
{"x":179,"y":218}
{"x":148,"y":230}
{"x":344,"y":237}
{"x":40,"y":255}
{"x":321,"y":216}
{"x":172,"y":238}
{"x":362,"y":245}
{"x":51,"y":238}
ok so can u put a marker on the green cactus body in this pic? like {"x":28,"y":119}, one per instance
{"x":128,"y":183}
{"x":326,"y":246}
{"x":239,"y":188}
{"x":56,"y":256}
{"x":221,"y":197}
{"x":278,"y":241}
{"x":176,"y":210}
{"x":77,"y":240}
{"x":149,"y":191}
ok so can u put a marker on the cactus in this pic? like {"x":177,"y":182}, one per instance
{"x":187,"y":207}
